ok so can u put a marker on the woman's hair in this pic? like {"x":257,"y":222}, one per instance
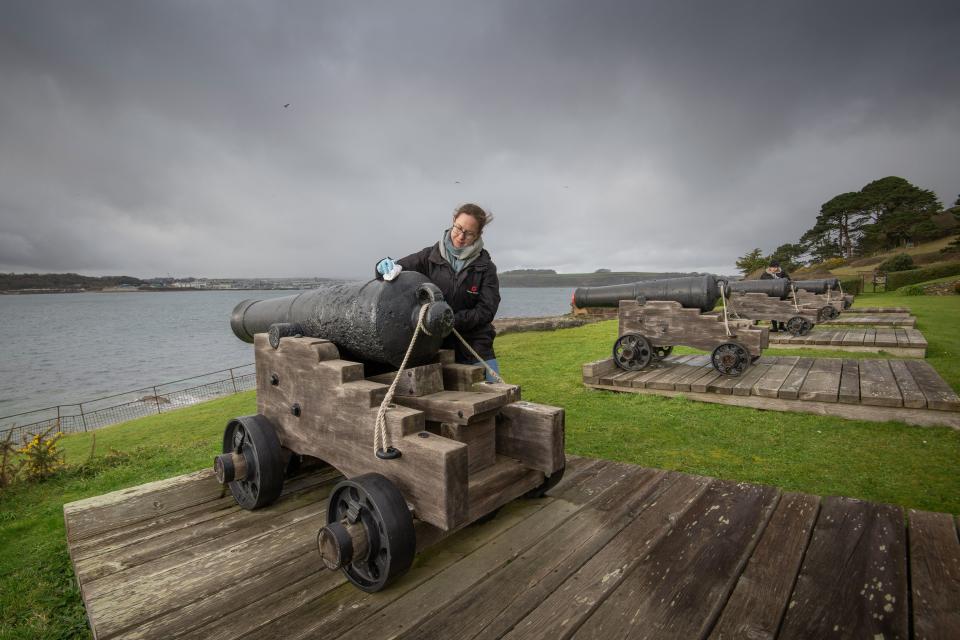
{"x":482,"y":217}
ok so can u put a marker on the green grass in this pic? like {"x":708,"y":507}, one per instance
{"x":887,"y":462}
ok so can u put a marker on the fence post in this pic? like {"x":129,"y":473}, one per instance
{"x":233,"y":380}
{"x":156,"y":399}
{"x":83,"y":418}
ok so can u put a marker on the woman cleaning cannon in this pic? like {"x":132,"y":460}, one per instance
{"x":462,"y":269}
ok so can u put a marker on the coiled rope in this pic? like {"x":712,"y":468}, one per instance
{"x":381,"y":438}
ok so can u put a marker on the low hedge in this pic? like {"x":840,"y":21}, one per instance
{"x":853,"y":285}
{"x":899,"y":279}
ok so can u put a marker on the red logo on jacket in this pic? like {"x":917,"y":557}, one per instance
{"x":473,"y":289}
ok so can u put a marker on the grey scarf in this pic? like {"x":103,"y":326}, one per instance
{"x":459,"y":258}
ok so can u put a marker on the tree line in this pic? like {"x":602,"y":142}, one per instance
{"x":22,"y":281}
{"x":885,"y":214}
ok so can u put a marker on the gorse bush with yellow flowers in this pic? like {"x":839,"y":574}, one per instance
{"x":41,"y":456}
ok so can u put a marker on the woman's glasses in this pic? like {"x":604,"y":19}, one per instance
{"x":460,"y":231}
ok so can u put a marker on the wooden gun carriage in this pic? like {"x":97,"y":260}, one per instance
{"x":458,"y":448}
{"x":825,"y":294}
{"x":656,"y":315}
{"x":648,"y":331}
{"x":798,"y":320}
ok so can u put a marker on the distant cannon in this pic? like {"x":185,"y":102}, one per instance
{"x":775,"y":287}
{"x":819,"y":286}
{"x":826,"y":291}
{"x":697,"y":292}
{"x":368,"y":321}
{"x":427,"y":448}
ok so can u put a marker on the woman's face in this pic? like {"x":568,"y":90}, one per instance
{"x":465,"y":230}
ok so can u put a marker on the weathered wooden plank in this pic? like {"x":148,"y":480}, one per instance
{"x":938,"y":393}
{"x":680,"y":587}
{"x":849,"y":391}
{"x":760,"y":598}
{"x":626,"y":381}
{"x":123,"y":600}
{"x":752,"y":375}
{"x":855,"y":336}
{"x":790,"y":389}
{"x":613,"y":377}
{"x":912,"y":395}
{"x":456,"y":580}
{"x":853,"y":582}
{"x":768,"y":385}
{"x":92,"y":516}
{"x":695,"y":373}
{"x":870,"y":337}
{"x":839,"y":338}
{"x":934,"y":575}
{"x":460,"y":377}
{"x":878,"y":387}
{"x":533,"y":434}
{"x":189,"y":534}
{"x":651,"y":373}
{"x":480,"y":438}
{"x":598,"y":368}
{"x":455,"y":406}
{"x":886,"y":337}
{"x":326,"y":597}
{"x":506,"y":596}
{"x":822,"y":383}
{"x":916,"y":338}
{"x":565,"y":609}
{"x":903,"y":339}
{"x":700,"y":384}
{"x":676,"y":369}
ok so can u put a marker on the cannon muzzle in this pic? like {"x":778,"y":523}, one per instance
{"x":368,"y":321}
{"x":698,"y":292}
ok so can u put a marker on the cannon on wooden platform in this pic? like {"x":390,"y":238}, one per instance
{"x":649,"y":331}
{"x":823,"y":291}
{"x":450,"y":449}
{"x":798,"y":320}
{"x":775,"y":287}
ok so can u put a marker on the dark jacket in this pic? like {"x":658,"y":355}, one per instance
{"x":473,"y":294}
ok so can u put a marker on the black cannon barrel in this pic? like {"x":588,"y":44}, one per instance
{"x":818,"y":286}
{"x":368,"y":321}
{"x":775,"y":287}
{"x":697,"y":292}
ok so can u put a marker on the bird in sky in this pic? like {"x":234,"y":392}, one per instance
{"x":286,"y":105}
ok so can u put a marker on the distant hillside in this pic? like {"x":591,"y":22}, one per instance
{"x":64,"y":281}
{"x":549,"y":278}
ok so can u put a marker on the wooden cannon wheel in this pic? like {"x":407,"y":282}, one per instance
{"x":632,"y":352}
{"x":369,"y":533}
{"x":730,"y":358}
{"x":799,"y":326}
{"x":253,"y":462}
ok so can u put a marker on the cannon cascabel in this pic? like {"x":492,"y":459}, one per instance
{"x":368,"y":321}
{"x":818,"y":286}
{"x":774,"y":287}
{"x":696,"y":292}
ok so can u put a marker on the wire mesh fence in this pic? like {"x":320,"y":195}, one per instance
{"x":120,"y":407}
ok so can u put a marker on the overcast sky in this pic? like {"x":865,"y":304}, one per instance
{"x":151,"y":138}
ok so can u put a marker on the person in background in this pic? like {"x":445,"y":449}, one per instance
{"x":462,"y":269}
{"x":772,"y":272}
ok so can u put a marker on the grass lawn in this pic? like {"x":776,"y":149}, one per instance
{"x":887,"y":462}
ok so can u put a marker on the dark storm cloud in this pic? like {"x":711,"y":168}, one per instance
{"x":152,"y":138}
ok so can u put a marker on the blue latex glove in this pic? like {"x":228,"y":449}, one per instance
{"x":385,"y":266}
{"x":388,"y":269}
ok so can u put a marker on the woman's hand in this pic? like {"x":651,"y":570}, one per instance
{"x":388,"y":269}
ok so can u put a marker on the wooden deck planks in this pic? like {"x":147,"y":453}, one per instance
{"x":869,"y":389}
{"x":878,"y":387}
{"x":934,"y":575}
{"x":760,"y":598}
{"x":866,"y":543}
{"x":615,"y":551}
{"x":938,"y":393}
{"x":900,"y":341}
{"x":680,"y":587}
{"x":822,"y":382}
